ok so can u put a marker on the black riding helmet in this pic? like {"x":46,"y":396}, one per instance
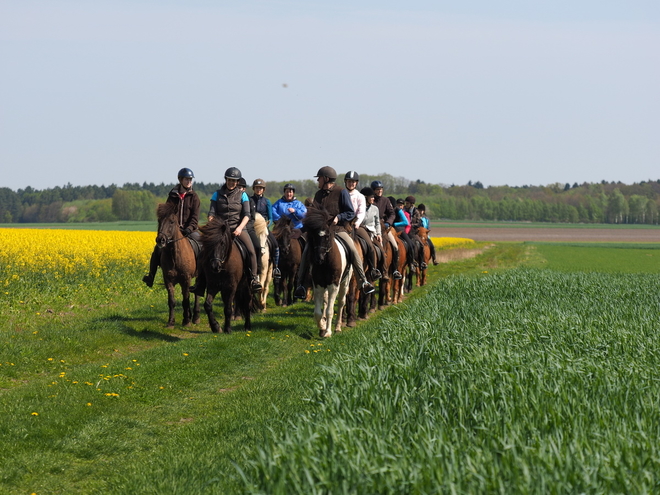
{"x":289,"y":186}
{"x":367,"y":192}
{"x":233,"y":173}
{"x":352,"y":175}
{"x":186,"y":172}
{"x":242,"y":182}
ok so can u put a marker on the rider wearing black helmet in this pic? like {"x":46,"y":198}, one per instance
{"x":359,"y":202}
{"x":263,"y":207}
{"x":336,"y":201}
{"x":387,"y":216}
{"x":187,"y":203}
{"x":415,"y":223}
{"x":233,"y":205}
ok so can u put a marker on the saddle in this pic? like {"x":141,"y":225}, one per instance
{"x":347,"y":249}
{"x":245,"y":254}
{"x":196,"y":246}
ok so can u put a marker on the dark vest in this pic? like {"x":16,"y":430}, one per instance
{"x":228,"y":206}
{"x":328,"y":200}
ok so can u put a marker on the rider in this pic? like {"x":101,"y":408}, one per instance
{"x":188,"y":204}
{"x":256,"y":242}
{"x":289,"y":206}
{"x":359,"y":202}
{"x":233,"y":206}
{"x":415,"y":223}
{"x":371,"y":225}
{"x":264,"y":208}
{"x":337,"y":202}
{"x":402,"y":225}
{"x":387,"y":216}
{"x":424,"y":222}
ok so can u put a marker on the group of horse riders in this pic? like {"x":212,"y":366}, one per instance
{"x":359,"y":212}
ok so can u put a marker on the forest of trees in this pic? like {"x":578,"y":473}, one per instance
{"x":604,"y":202}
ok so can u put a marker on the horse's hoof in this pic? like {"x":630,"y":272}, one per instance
{"x":195,"y":321}
{"x":324,"y":335}
{"x":351,"y":323}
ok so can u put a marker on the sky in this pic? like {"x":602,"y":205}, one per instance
{"x":511,"y":92}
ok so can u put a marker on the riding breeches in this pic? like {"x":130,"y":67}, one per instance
{"x":247,"y":242}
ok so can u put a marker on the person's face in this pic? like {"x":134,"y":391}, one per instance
{"x":231,"y":184}
{"x":324,"y":183}
{"x":259,"y":190}
{"x":370,"y":200}
{"x":186,"y":182}
{"x":288,"y":194}
{"x":408,"y":204}
{"x":350,"y":184}
{"x":378,"y":191}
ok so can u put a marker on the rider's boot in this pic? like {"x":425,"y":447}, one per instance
{"x":277,"y":274}
{"x":153,"y":267}
{"x":396,"y":274}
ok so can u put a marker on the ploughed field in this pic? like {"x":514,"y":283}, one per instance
{"x":552,"y":233}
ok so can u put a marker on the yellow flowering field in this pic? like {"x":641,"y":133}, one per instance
{"x":59,"y":252}
{"x":451,"y":242}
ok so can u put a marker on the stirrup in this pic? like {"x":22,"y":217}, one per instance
{"x":277,"y":274}
{"x":367,"y":288}
{"x":423,"y":266}
{"x":300,"y":293}
{"x":375,"y":274}
{"x":256,"y":285}
{"x":397,"y":275}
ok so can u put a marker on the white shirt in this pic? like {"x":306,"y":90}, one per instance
{"x":359,"y":205}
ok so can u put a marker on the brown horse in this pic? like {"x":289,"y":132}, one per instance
{"x":353,"y":294}
{"x":398,"y":285}
{"x":331,"y":271}
{"x":177,"y":259}
{"x":224,"y":272}
{"x":290,"y":254}
{"x":384,"y":284}
{"x":425,"y":254}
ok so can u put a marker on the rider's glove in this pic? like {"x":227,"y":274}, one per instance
{"x":186,"y":232}
{"x":387,"y":225}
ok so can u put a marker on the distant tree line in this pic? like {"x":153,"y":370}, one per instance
{"x":604,"y":202}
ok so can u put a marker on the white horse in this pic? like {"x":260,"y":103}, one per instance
{"x":266,"y":273}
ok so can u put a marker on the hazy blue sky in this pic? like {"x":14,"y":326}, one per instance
{"x":507,"y":92}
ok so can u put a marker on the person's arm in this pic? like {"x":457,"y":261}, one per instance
{"x":270,"y":211}
{"x":389,"y":212}
{"x":361,"y":210}
{"x":275,"y":211}
{"x":212,"y":208}
{"x":245,"y":214}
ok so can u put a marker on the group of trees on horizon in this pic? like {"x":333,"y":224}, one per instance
{"x":603,"y":202}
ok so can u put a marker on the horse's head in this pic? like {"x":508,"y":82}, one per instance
{"x":168,"y":225}
{"x":423,"y":234}
{"x":320,"y":233}
{"x":282,"y":232}
{"x":216,"y":241}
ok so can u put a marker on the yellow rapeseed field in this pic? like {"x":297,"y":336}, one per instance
{"x":450,"y":242}
{"x":66,"y":252}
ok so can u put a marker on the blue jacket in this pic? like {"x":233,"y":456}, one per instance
{"x":281,"y":208}
{"x":401,"y":221}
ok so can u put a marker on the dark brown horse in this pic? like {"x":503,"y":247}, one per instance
{"x":290,"y":254}
{"x":384,"y":283}
{"x":331,"y":271}
{"x":177,"y":259}
{"x":224,"y":272}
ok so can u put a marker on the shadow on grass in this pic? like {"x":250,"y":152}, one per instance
{"x":127,"y":324}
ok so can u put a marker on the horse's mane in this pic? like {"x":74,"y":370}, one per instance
{"x":164,"y":210}
{"x":215,"y":232}
{"x":316,"y":219}
{"x":282,"y":225}
{"x":260,"y":225}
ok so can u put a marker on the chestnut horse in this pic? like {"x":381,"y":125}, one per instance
{"x":177,"y":259}
{"x":425,"y":254}
{"x":331,"y":270}
{"x":290,"y":254}
{"x":398,"y":285}
{"x":384,"y":283}
{"x":223,"y":267}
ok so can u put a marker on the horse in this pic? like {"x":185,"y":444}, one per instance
{"x":331,"y":269}
{"x":353,"y":294}
{"x":387,"y":254}
{"x":425,"y":254}
{"x":266,"y":273}
{"x":224,"y":271}
{"x":290,"y":254}
{"x":177,"y":260}
{"x":398,"y":285}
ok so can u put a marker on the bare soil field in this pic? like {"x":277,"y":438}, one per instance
{"x":554,"y":234}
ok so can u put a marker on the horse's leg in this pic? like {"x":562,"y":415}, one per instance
{"x":171,"y":302}
{"x":185,"y":302}
{"x":332,"y":298}
{"x":228,"y":297}
{"x":320,"y":303}
{"x":350,"y":303}
{"x":208,"y":307}
{"x":195,"y":315}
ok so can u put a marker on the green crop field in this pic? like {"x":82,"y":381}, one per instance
{"x":531,"y":368}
